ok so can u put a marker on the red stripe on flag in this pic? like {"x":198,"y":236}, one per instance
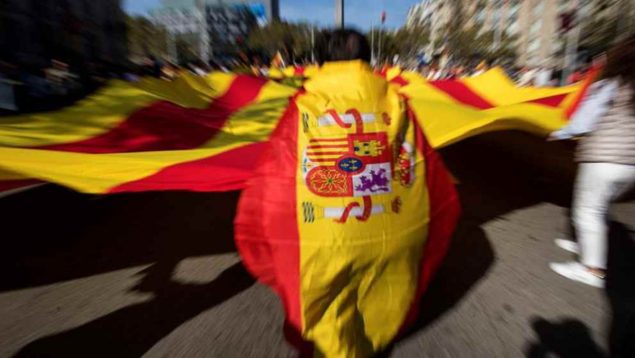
{"x":319,"y":140}
{"x":553,"y":101}
{"x":298,"y":71}
{"x":400,"y":81}
{"x":443,"y":215}
{"x":167,"y":126}
{"x":266,"y":229}
{"x":222,"y":172}
{"x":462,"y":93}
{"x":592,"y":75}
{"x":327,"y":146}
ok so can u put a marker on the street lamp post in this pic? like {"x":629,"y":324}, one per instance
{"x":339,"y":13}
{"x":372,"y":44}
{"x":312,"y":44}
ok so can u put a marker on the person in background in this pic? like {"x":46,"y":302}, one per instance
{"x":58,"y":76}
{"x":526,"y":77}
{"x":480,"y":68}
{"x":435,"y":73}
{"x":543,"y":77}
{"x":606,"y":157}
{"x":556,"y":75}
{"x":577,"y":75}
{"x":424,"y":70}
{"x":169,"y":71}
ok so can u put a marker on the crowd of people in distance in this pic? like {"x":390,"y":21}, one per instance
{"x":36,"y":87}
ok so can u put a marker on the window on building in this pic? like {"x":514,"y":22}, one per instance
{"x":480,"y":15}
{"x":539,"y":9}
{"x":534,"y":45}
{"x":514,"y":9}
{"x":513,"y":28}
{"x":535,"y":28}
{"x":496,"y":16}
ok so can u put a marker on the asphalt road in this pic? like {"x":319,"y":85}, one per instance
{"x":156,"y":274}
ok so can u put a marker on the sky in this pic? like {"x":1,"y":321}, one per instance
{"x":357,"y":13}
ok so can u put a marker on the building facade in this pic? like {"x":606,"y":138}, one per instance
{"x":434,"y":15}
{"x":77,"y":32}
{"x":228,"y":27}
{"x":211,"y":27}
{"x":534,"y":24}
{"x":184,"y":21}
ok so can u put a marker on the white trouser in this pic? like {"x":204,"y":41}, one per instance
{"x":597,"y":185}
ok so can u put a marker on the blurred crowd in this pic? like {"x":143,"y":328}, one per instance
{"x":523,"y":76}
{"x":26,"y":88}
{"x":29,"y":87}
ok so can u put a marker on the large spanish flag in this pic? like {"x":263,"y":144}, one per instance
{"x":348,"y":214}
{"x":200,"y":134}
{"x":206,"y":133}
{"x":346,"y":211}
{"x":350,"y":211}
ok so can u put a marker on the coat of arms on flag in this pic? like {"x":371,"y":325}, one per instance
{"x":355,"y":165}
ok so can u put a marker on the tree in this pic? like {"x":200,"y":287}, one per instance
{"x":292,"y":40}
{"x":471,"y":43}
{"x":185,"y":48}
{"x":385,"y":46}
{"x":145,"y":38}
{"x":406,"y":42}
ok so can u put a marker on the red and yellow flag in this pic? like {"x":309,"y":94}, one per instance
{"x":348,"y":214}
{"x":206,"y":133}
{"x":346,"y":211}
{"x":453,"y":110}
{"x":200,"y":134}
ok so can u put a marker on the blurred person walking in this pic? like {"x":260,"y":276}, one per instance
{"x":606,"y":157}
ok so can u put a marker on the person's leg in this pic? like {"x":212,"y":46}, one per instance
{"x":597,"y":184}
{"x":590,"y":205}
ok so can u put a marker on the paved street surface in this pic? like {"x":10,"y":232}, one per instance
{"x":156,"y":274}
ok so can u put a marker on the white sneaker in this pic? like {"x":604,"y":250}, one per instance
{"x":577,"y":272}
{"x":568,"y":245}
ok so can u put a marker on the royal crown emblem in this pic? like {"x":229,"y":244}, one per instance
{"x":356,"y":164}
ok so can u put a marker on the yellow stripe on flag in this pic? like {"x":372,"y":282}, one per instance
{"x":97,"y":173}
{"x":85,"y":119}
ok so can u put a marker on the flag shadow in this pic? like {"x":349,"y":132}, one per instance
{"x":572,"y":338}
{"x":101,"y":234}
{"x":131,"y":331}
{"x":621,"y":291}
{"x":60,"y":235}
{"x":66,"y":235}
{"x":497,"y":173}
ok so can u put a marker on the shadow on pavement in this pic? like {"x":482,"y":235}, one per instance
{"x":569,"y":338}
{"x":497,"y":173}
{"x":65,"y":235}
{"x":133,"y":330}
{"x":68,"y":235}
{"x":61,"y":235}
{"x":620,"y":289}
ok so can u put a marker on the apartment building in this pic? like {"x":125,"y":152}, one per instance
{"x":534,"y":24}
